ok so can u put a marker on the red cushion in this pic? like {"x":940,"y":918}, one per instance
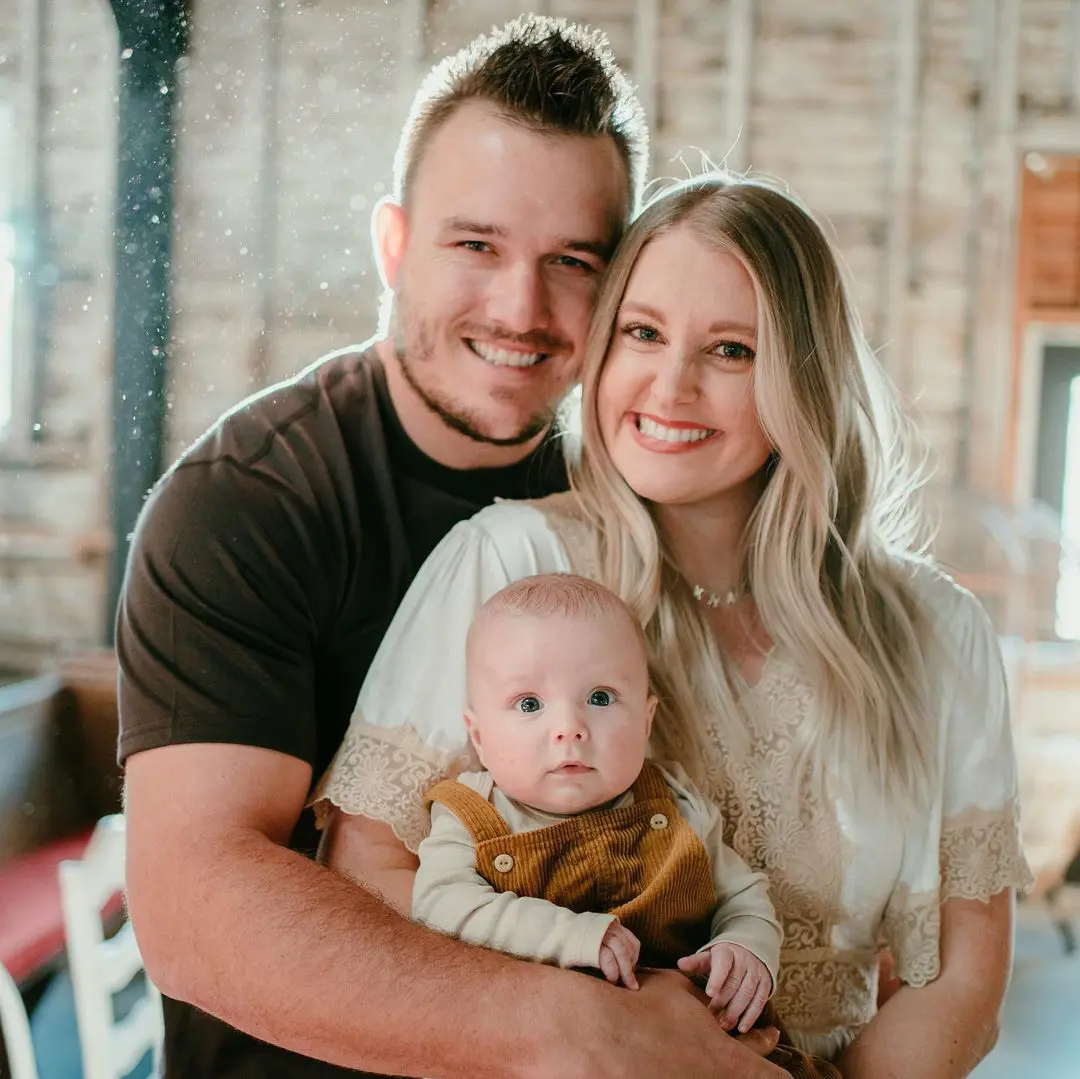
{"x":32,"y":925}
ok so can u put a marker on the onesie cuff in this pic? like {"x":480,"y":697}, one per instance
{"x":759,"y":944}
{"x":586,"y":952}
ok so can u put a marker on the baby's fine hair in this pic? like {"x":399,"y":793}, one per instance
{"x":564,"y":594}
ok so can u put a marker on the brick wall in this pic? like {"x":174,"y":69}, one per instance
{"x":53,"y":493}
{"x":287,"y":125}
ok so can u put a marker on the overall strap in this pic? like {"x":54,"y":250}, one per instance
{"x":650,"y":784}
{"x":479,"y":816}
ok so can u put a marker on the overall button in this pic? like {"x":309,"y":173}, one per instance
{"x":504,"y":863}
{"x":658,"y":820}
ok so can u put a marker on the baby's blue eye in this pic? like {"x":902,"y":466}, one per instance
{"x":529,"y":704}
{"x":601,"y":698}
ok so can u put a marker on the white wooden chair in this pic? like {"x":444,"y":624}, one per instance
{"x":100,"y":968}
{"x":15,"y":1028}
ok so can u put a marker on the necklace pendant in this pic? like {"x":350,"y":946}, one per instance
{"x":712,"y":599}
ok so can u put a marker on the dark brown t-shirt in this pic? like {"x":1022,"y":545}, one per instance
{"x":265,"y":569}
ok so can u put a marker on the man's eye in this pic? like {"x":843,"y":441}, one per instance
{"x":601,"y":698}
{"x":529,"y":704}
{"x":576,"y":264}
{"x":475,"y":245}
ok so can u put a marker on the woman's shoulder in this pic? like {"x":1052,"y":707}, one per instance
{"x":554,"y":526}
{"x":508,"y":516}
{"x":958,"y":623}
{"x":940,"y":594}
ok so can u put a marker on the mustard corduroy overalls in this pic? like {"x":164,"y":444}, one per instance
{"x":642,"y":862}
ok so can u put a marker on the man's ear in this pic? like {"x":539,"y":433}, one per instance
{"x":389,"y":232}
{"x":650,"y":711}
{"x":474,"y":735}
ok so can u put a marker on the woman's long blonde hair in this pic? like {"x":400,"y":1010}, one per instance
{"x":829,"y":549}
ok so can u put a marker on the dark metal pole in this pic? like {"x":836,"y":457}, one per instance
{"x":153,"y":36}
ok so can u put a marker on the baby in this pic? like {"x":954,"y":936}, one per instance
{"x":570,"y":847}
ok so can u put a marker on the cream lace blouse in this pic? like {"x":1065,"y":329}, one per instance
{"x":842,"y":882}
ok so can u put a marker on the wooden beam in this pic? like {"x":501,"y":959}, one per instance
{"x":1051,"y":134}
{"x":740,"y":51}
{"x":26,"y":152}
{"x":259,"y":362}
{"x":995,"y":390}
{"x":981,"y":28}
{"x":1073,"y":55}
{"x":646,"y":62}
{"x":412,"y":45}
{"x":901,"y":154}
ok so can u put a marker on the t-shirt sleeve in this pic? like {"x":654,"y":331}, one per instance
{"x":972,"y":847}
{"x":407,"y":732}
{"x":215,"y":627}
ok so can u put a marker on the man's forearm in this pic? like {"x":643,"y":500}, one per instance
{"x":259,"y":925}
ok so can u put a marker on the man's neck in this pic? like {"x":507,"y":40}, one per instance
{"x":432,"y":435}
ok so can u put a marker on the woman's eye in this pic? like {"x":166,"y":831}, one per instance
{"x":734,"y":350}
{"x":529,"y":704}
{"x":601,"y":698}
{"x":640,"y":332}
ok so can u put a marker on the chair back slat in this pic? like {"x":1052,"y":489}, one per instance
{"x":100,"y":968}
{"x":15,"y":1028}
{"x":120,"y":958}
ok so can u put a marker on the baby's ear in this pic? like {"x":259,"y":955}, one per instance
{"x":650,"y":711}
{"x":474,"y":734}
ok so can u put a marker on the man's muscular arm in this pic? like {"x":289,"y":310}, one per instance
{"x":296,"y":954}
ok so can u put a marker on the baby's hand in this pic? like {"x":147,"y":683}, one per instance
{"x":738,"y":985}
{"x":619,"y":951}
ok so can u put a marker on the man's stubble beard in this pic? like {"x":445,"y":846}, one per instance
{"x":416,"y":350}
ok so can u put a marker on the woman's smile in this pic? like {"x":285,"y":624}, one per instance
{"x":668,"y":436}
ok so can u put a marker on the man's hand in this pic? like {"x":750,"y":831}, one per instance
{"x":619,"y":952}
{"x":661,"y":1030}
{"x":738,"y":984}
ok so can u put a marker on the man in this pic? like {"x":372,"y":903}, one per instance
{"x":268,"y":563}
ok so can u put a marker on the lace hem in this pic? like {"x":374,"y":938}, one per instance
{"x":912,"y":930}
{"x":821,"y":991}
{"x":981,"y":854}
{"x":384,"y":773}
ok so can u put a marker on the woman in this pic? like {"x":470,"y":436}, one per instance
{"x":743,"y":486}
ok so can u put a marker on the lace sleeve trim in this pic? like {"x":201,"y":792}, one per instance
{"x":383,"y":773}
{"x":981,"y":854}
{"x":912,"y":930}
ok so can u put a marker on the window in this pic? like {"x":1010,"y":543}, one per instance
{"x":1057,"y":473}
{"x":8,"y":247}
{"x":1067,"y":614}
